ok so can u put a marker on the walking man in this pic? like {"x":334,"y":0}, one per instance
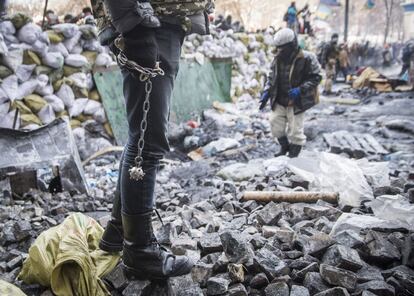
{"x":292,"y":88}
{"x":329,"y":62}
{"x":148,"y":49}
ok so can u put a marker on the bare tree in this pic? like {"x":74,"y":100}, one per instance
{"x":389,"y":8}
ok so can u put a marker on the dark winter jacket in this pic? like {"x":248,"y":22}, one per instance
{"x":305,"y":73}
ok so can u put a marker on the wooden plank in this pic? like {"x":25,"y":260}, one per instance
{"x":367,"y":147}
{"x":345,"y":146}
{"x":374,"y":143}
{"x":332,"y":143}
{"x":358,"y":151}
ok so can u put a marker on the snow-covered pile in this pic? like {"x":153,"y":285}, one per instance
{"x":252,"y":54}
{"x":48,"y":74}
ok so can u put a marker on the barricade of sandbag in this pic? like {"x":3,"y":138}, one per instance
{"x":48,"y":74}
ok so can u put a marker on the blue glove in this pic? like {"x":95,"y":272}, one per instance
{"x":294,"y":94}
{"x":263,"y":99}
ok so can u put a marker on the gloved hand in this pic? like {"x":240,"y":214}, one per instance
{"x":263,"y":99}
{"x":294,"y":95}
{"x":140,"y":46}
{"x":146,"y":15}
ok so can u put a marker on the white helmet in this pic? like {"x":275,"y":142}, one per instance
{"x":284,"y":36}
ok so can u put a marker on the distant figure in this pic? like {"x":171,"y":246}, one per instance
{"x":306,"y":15}
{"x":329,"y":60}
{"x":407,"y":53}
{"x":51,"y":19}
{"x":291,"y":18}
{"x":386,"y":56}
{"x":3,"y":8}
{"x":344,"y":62}
{"x":69,"y":19}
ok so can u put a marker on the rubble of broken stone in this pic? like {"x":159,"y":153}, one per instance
{"x":247,"y":247}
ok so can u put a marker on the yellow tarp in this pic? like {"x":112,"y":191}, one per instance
{"x":67,"y":259}
{"x":7,"y":289}
{"x":364,"y":79}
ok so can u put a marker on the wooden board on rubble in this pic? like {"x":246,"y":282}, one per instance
{"x":355,"y":144}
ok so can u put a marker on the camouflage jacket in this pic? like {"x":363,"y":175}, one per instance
{"x":182,"y":12}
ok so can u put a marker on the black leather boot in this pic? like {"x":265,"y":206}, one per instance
{"x":143,"y":257}
{"x":113,"y":236}
{"x":284,"y":146}
{"x":294,"y":150}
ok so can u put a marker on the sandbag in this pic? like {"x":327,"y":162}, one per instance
{"x":64,"y":113}
{"x":55,"y":102}
{"x":92,"y":107}
{"x":10,"y":86}
{"x":26,"y":88}
{"x":24,"y":72}
{"x":45,"y":90}
{"x":7,"y":120}
{"x":92,"y":45}
{"x":88,"y":32}
{"x":79,"y":79}
{"x":7,"y":28}
{"x":55,"y":37}
{"x":90,"y":55}
{"x":23,"y":109}
{"x":56,"y":74}
{"x":78,"y":107}
{"x":59,"y":47}
{"x":103,"y":60}
{"x":67,"y":258}
{"x":54,"y":60}
{"x":5,"y":72}
{"x":46,"y":114}
{"x":74,"y":123}
{"x":4,"y":109}
{"x":10,"y":39}
{"x":90,"y":84}
{"x":76,"y":60}
{"x":58,"y":83}
{"x":100,"y":115}
{"x":19,"y":20}
{"x":30,"y":57}
{"x":65,"y":93}
{"x":42,"y":80}
{"x":3,"y":47}
{"x":7,"y":289}
{"x":27,"y":119}
{"x":94,"y":95}
{"x":29,"y":33}
{"x":80,"y":92}
{"x":68,"y":70}
{"x":68,"y":30}
{"x":77,"y":49}
{"x":40,"y":47}
{"x":34,"y":102}
{"x":108,"y":129}
{"x":13,"y":59}
{"x":72,"y":42}
{"x":3,"y":96}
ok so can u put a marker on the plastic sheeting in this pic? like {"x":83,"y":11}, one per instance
{"x":67,"y":259}
{"x":331,"y":172}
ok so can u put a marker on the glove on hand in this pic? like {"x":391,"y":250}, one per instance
{"x":294,"y":94}
{"x":263,"y":99}
{"x":146,"y":15}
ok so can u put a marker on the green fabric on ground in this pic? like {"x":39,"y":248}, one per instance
{"x":7,"y":289}
{"x":67,"y":258}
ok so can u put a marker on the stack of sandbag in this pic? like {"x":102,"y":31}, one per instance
{"x":48,"y":74}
